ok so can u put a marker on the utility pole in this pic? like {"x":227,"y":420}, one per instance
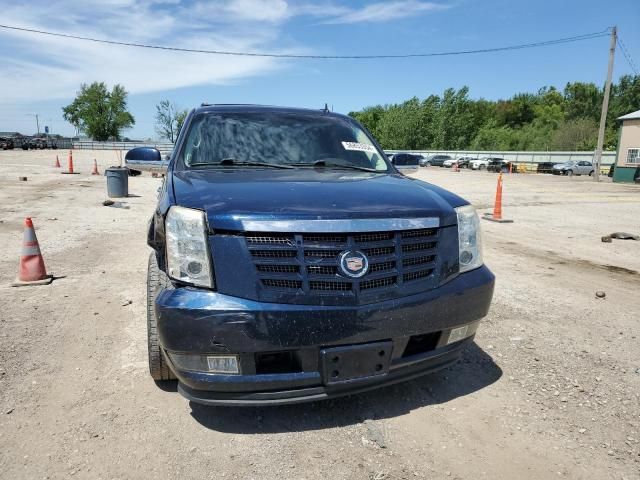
{"x":605,"y":106}
{"x":37,"y":121}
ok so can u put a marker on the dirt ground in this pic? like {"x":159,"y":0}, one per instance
{"x":550,"y":389}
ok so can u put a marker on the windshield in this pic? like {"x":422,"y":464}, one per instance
{"x":277,"y":138}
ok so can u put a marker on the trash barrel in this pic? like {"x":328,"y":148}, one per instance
{"x":117,"y":182}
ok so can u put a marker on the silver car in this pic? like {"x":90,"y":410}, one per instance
{"x":573,"y":167}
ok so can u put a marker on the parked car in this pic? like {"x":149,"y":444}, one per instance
{"x":545,"y":167}
{"x":299,"y":274}
{"x":573,"y":167}
{"x":39,"y":143}
{"x":500,"y":165}
{"x":480,"y":163}
{"x":406,"y":162}
{"x":437,"y":160}
{"x":462,"y":162}
{"x":6,"y":143}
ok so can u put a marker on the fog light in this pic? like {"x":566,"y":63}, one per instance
{"x":224,"y":364}
{"x":460,"y":333}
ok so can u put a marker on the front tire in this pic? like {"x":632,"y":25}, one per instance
{"x":157,"y":281}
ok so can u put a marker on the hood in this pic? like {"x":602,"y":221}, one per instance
{"x":230,"y":196}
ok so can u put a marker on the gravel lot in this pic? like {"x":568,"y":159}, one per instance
{"x":550,"y":389}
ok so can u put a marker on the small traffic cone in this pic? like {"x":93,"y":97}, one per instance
{"x":31,"y":270}
{"x":57,"y":165}
{"x":70,"y":165}
{"x":95,"y":168}
{"x":496,"y":216}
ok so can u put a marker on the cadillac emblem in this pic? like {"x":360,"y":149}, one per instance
{"x":354,"y":264}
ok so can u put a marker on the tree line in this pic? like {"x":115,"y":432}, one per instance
{"x":550,"y":119}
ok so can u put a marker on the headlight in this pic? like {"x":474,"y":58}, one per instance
{"x":469,"y":240}
{"x":187,"y":247}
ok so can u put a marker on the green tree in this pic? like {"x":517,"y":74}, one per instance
{"x":455,"y":120}
{"x":370,"y":118}
{"x":169,"y":120}
{"x":543,"y":120}
{"x":517,"y":111}
{"x":101,"y":114}
{"x":583,"y":100}
{"x":576,"y":134}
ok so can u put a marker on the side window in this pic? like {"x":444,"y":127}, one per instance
{"x":633,"y":155}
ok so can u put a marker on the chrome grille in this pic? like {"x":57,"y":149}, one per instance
{"x":275,"y":268}
{"x":411,"y":261}
{"x":322,"y":269}
{"x":272,"y":239}
{"x":409,"y":277}
{"x":382,"y":267}
{"x":379,"y":251}
{"x":322,"y":285}
{"x":281,"y":283}
{"x":417,"y":247}
{"x":274,"y":253}
{"x":378,"y":283}
{"x":309,"y":263}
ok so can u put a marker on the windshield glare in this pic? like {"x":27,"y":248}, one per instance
{"x":279,"y":138}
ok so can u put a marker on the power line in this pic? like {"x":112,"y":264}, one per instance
{"x":323,"y":57}
{"x":627,"y":55}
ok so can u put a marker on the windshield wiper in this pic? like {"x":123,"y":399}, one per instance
{"x":232,"y":162}
{"x":324,"y":163}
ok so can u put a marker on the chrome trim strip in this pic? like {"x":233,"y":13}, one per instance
{"x":337,"y":226}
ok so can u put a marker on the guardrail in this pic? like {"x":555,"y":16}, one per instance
{"x":164,"y":147}
{"x":523,"y":157}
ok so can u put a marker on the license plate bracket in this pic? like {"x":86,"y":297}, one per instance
{"x":342,"y":364}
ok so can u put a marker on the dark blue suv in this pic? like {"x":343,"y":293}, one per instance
{"x":292,"y":262}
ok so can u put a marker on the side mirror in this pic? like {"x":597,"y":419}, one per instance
{"x":146,"y":159}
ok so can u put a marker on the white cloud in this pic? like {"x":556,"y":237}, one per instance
{"x":39,"y":67}
{"x":259,"y":10}
{"x":385,"y":11}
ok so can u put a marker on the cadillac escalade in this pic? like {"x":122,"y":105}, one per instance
{"x":293,"y":262}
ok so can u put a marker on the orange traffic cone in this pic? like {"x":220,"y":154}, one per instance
{"x":31,"y":270}
{"x":57,"y":165}
{"x":95,"y":168}
{"x":70,"y":165}
{"x":496,"y":216}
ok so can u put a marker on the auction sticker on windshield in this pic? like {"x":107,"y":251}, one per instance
{"x":360,"y":147}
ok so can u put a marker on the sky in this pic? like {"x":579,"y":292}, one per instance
{"x":41,"y":74}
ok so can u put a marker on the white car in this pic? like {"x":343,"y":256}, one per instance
{"x":449,"y":163}
{"x":479,"y":163}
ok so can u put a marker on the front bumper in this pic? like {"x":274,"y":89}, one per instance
{"x":196,"y":321}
